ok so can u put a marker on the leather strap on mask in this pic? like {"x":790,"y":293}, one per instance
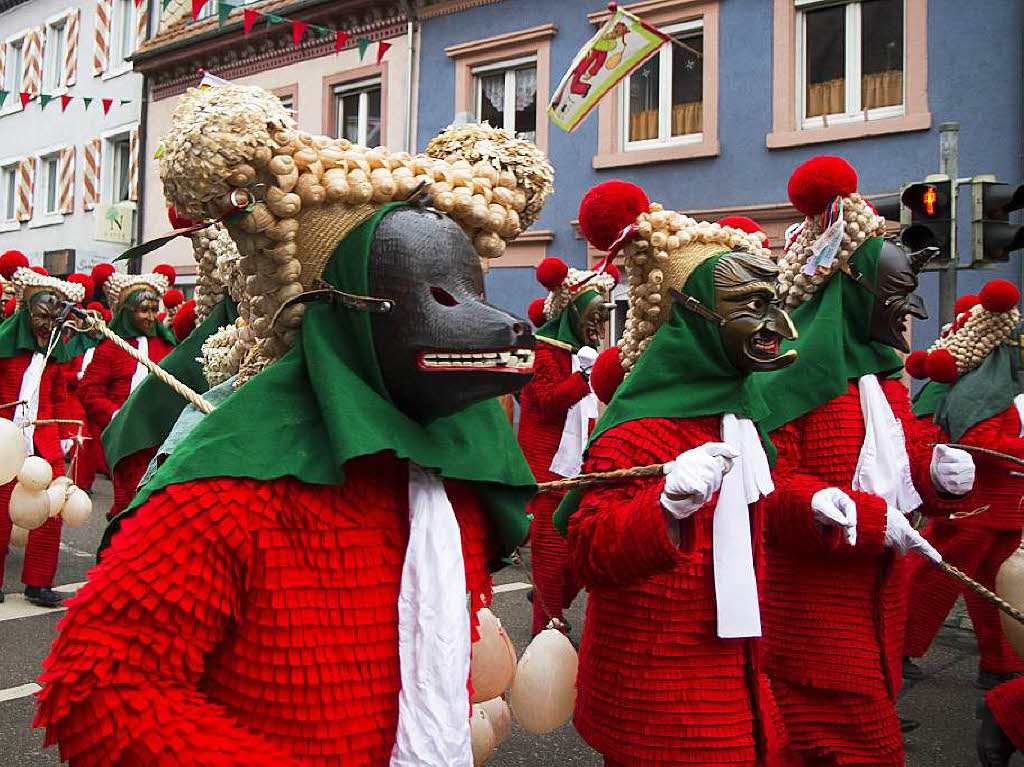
{"x":690,"y":303}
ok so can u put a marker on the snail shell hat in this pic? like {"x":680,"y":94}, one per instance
{"x":235,"y":149}
{"x":27,"y":281}
{"x":118,"y":286}
{"x":565,"y":284}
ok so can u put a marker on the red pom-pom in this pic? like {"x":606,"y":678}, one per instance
{"x":95,"y":306}
{"x":607,"y":374}
{"x":551,"y":272}
{"x":184,"y":320}
{"x":173,"y":297}
{"x":161,"y":316}
{"x":82,"y":279}
{"x":608,"y":208}
{"x":9,"y":306}
{"x":940,"y":366}
{"x":817,"y":182}
{"x":613,"y":270}
{"x":178,"y":222}
{"x":536,"y":312}
{"x":999,"y":296}
{"x":167,"y":271}
{"x":745,"y":224}
{"x":10,"y":261}
{"x":40,"y":270}
{"x":958,"y":322}
{"x":914,"y":364}
{"x":99,"y":273}
{"x":964,"y":303}
{"x":107,"y":314}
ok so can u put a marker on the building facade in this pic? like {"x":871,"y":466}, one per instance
{"x":715,"y":126}
{"x":69,"y":118}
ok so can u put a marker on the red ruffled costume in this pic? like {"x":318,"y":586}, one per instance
{"x":656,"y":686}
{"x":834,"y":615}
{"x":544,"y":403}
{"x":43,"y":547}
{"x":102,"y":390}
{"x":1006,"y":702}
{"x":978,"y":545}
{"x":91,"y":460}
{"x":238,"y":622}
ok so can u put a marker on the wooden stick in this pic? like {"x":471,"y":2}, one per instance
{"x":986,"y":451}
{"x":686,"y":47}
{"x":977,"y":588}
{"x":13,"y":404}
{"x":620,"y":475}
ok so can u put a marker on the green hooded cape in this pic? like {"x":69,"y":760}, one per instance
{"x":685,"y":373}
{"x":562,"y":327}
{"x":149,"y":413}
{"x":324,"y":403}
{"x":16,"y":337}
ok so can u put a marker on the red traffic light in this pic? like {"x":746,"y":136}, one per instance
{"x":928,"y":200}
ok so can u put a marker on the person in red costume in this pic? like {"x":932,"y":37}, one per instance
{"x":41,"y":384}
{"x":557,"y":412}
{"x":852,"y":463}
{"x":113,"y":374}
{"x":1002,"y":724}
{"x":669,"y":672}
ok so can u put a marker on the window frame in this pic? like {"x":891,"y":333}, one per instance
{"x":13,"y":103}
{"x":108,"y":164}
{"x":9,"y":165}
{"x":509,"y":67}
{"x":43,"y":183}
{"x":362,"y":88}
{"x":56,"y":28}
{"x":350,"y":77}
{"x":116,"y":65}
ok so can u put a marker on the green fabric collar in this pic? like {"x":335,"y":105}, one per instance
{"x":16,"y":337}
{"x":149,"y":413}
{"x":929,"y":398}
{"x":324,"y":404}
{"x":79,"y":343}
{"x":562,"y":328}
{"x":986,"y":391}
{"x":122,"y":325}
{"x":833,"y":347}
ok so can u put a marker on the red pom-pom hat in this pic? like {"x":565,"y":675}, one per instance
{"x":607,"y":374}
{"x":744,"y":224}
{"x":10,"y":262}
{"x":84,"y":280}
{"x":536,"y":312}
{"x":100,"y":273}
{"x":40,"y":270}
{"x":173,"y":297}
{"x":167,"y":271}
{"x":608,"y":209}
{"x":940,"y":366}
{"x":817,"y":182}
{"x":551,"y":273}
{"x":999,"y":296}
{"x":184,"y":320}
{"x":914,"y":364}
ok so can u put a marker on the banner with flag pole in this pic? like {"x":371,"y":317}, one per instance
{"x":620,"y":46}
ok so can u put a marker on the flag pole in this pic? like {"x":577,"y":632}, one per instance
{"x":613,"y":7}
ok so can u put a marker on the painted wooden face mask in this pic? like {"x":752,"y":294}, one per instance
{"x":591,"y":323}
{"x":143,"y":308}
{"x":43,"y":312}
{"x":895,"y":299}
{"x":440,"y":347}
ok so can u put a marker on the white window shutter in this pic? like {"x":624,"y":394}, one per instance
{"x":101,"y":37}
{"x":141,"y":22}
{"x":92,"y":157}
{"x":66,"y":180}
{"x":32,"y":69}
{"x":71,"y":46}
{"x":3,"y":65}
{"x":26,"y":182}
{"x":133,"y":164}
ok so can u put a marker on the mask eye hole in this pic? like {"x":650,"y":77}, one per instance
{"x":443,"y":297}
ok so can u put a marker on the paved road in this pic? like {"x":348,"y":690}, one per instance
{"x":943,"y":702}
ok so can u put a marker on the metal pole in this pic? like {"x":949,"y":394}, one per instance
{"x":949,"y":155}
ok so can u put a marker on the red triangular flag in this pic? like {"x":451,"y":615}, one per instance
{"x":138,"y":3}
{"x":382,"y":48}
{"x":64,"y":101}
{"x":298,"y":29}
{"x":197,"y":8}
{"x":25,"y":98}
{"x":250,"y":19}
{"x":107,"y":104}
{"x":340,"y":38}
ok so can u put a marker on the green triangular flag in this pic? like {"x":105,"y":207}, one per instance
{"x":125,"y":101}
{"x":44,"y":99}
{"x":223,"y":11}
{"x":324,"y":31}
{"x":87,"y":100}
{"x":166,"y":3}
{"x":3,"y":97}
{"x":272,"y":19}
{"x":363,"y":44}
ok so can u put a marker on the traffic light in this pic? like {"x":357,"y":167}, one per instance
{"x":993,"y":237}
{"x":929,"y":204}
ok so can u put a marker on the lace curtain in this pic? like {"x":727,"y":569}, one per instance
{"x":526,"y":88}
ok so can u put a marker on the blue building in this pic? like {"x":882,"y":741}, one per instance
{"x":716,"y":126}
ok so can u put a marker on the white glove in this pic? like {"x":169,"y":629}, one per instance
{"x":900,"y":536}
{"x":587,"y":356}
{"x":66,"y":445}
{"x":952,"y":469}
{"x":834,"y":508}
{"x":694,"y":476}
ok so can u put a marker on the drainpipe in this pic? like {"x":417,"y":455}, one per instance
{"x":135,"y":264}
{"x":410,"y":67}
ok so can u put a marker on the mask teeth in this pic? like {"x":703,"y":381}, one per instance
{"x":515,"y":358}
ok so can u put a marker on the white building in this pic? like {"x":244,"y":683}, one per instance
{"x":69,"y":129}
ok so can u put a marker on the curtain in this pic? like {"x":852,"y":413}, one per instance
{"x":827,"y":98}
{"x":493,"y":90}
{"x":882,"y":89}
{"x":643,"y":125}
{"x":687,"y":118}
{"x":526,"y":88}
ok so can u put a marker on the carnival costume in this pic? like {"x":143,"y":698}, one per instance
{"x":41,"y":384}
{"x":557,"y":413}
{"x":669,"y":671}
{"x":852,"y":462}
{"x":976,"y":396}
{"x":263,"y":604}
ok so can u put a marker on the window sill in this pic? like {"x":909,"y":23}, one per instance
{"x":49,"y":219}
{"x":9,"y":109}
{"x":667,"y":153}
{"x":112,"y":74}
{"x":846,"y":131}
{"x":10,"y":226}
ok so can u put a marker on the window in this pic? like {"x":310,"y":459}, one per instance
{"x":287,"y":101}
{"x":123,"y":33}
{"x":663,"y":100}
{"x":13,"y":67}
{"x":49,"y":183}
{"x":506,"y":96}
{"x":851,"y":61}
{"x":357,"y":112}
{"x":53,"y":67}
{"x":119,"y":165}
{"x":9,"y":190}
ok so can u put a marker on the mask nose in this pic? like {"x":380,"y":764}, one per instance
{"x":915,"y":307}
{"x":779,"y":322}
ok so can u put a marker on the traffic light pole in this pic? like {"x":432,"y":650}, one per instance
{"x":949,"y":156}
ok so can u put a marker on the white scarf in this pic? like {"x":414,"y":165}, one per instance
{"x":568,"y":458}
{"x":1018,"y":402}
{"x":433,"y":634}
{"x":141,"y":371}
{"x":29,"y":392}
{"x":86,"y":359}
{"x":883,"y":467}
{"x":739,"y":614}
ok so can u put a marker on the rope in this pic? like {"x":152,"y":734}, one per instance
{"x":50,"y":421}
{"x":986,"y":451}
{"x":190,"y":394}
{"x":620,"y":475}
{"x":13,"y":404}
{"x":981,"y":591}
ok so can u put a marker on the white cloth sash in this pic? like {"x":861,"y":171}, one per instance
{"x":141,"y":371}
{"x":568,"y":458}
{"x":1018,"y":402}
{"x":433,"y":634}
{"x":28,"y":412}
{"x":739,"y":614}
{"x":86,"y":360}
{"x":883,"y":466}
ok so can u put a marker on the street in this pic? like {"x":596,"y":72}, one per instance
{"x":943,"y":703}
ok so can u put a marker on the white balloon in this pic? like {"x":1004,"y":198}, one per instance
{"x":29,"y":508}
{"x":19,"y":536}
{"x":58,"y":492}
{"x":35,"y":473}
{"x":543,"y":692}
{"x":12,"y":451}
{"x":482,"y":736}
{"x":493,"y":661}
{"x":499,"y":716}
{"x":77,"y":508}
{"x":1010,"y":586}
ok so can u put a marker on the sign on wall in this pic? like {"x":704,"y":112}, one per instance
{"x":114,"y":223}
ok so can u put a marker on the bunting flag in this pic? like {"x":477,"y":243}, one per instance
{"x":3,"y":97}
{"x":25,"y":98}
{"x":107,"y":103}
{"x":249,"y":19}
{"x":44,"y":99}
{"x":223,"y":11}
{"x":340,"y":38}
{"x":166,"y":3}
{"x":382,"y":48}
{"x":87,"y":100}
{"x":298,"y":30}
{"x":363,"y":44}
{"x":64,"y":101}
{"x":197,"y":8}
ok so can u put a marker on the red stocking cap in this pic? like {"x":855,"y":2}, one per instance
{"x":999,"y":296}
{"x":40,"y":270}
{"x":613,"y":271}
{"x":940,"y":366}
{"x":608,"y":208}
{"x":536,"y":312}
{"x":178,"y":222}
{"x":84,"y":280}
{"x":95,"y":306}
{"x":744,"y":224}
{"x":173,"y":297}
{"x":820,"y":180}
{"x":161,"y":316}
{"x":167,"y":271}
{"x":100,"y":272}
{"x":607,"y":374}
{"x":107,"y":314}
{"x":10,"y":261}
{"x":551,"y":272}
{"x":9,"y":305}
{"x":914,"y":364}
{"x":184,"y":320}
{"x":964,"y":303}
